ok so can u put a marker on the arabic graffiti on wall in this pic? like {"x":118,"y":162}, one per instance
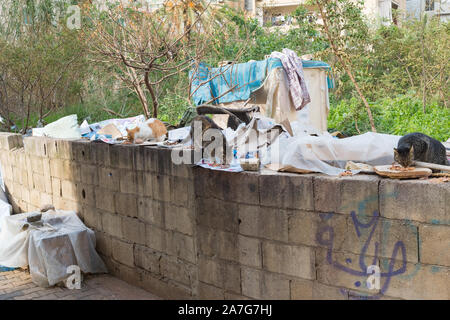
{"x":394,"y":264}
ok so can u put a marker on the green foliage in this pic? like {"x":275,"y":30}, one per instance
{"x":400,"y":115}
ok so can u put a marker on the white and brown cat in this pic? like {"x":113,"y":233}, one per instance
{"x":150,"y":130}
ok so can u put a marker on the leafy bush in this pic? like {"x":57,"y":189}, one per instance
{"x":400,"y":115}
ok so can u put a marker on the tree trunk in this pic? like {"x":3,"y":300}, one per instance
{"x":344,"y":64}
{"x":153,"y":95}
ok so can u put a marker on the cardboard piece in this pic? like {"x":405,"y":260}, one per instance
{"x":112,"y":130}
{"x":386,"y":171}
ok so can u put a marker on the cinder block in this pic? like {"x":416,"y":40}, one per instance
{"x":159,"y":160}
{"x":418,"y":281}
{"x":250,"y":251}
{"x":102,"y":154}
{"x":219,"y":274}
{"x":123,"y":252}
{"x":128,"y":181}
{"x":263,"y":285}
{"x":147,"y":184}
{"x":92,"y":217}
{"x":39,"y":182}
{"x":69,"y":190}
{"x":9,"y":141}
{"x":139,"y":159}
{"x":182,"y":192}
{"x":164,"y":288}
{"x":108,"y":178}
{"x":388,"y":234}
{"x":182,"y":171}
{"x":290,"y":191}
{"x":36,"y":146}
{"x":59,"y":149}
{"x":86,"y":194}
{"x":313,"y":290}
{"x":415,"y":200}
{"x":82,"y":152}
{"x":147,"y":259}
{"x":64,"y":204}
{"x":161,"y":187}
{"x":209,"y":292}
{"x":295,"y":261}
{"x":122,"y":156}
{"x":56,"y":187}
{"x":104,"y":200}
{"x":155,"y":238}
{"x":263,"y":222}
{"x":345,"y":194}
{"x":133,"y":230}
{"x":177,"y":270}
{"x":179,"y":219}
{"x":434,"y":244}
{"x":306,"y":226}
{"x":151,"y":211}
{"x":229,"y":246}
{"x":233,"y":296}
{"x":126,"y":204}
{"x":112,"y":224}
{"x":242,"y":187}
{"x":65,"y":169}
{"x":37,"y":165}
{"x":302,"y":289}
{"x":344,"y":270}
{"x":25,"y":194}
{"x":104,"y":243}
{"x":180,"y":245}
{"x":35,"y":198}
{"x":130,"y":275}
{"x":89,"y":174}
{"x":217,"y":214}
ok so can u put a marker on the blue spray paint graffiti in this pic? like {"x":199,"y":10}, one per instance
{"x":325,"y":237}
{"x":365,"y":223}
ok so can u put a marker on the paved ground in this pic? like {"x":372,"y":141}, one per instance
{"x":17,"y":285}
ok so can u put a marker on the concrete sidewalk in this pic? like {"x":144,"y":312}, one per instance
{"x":17,"y":285}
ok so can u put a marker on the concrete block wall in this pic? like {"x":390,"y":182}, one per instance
{"x":184,"y":232}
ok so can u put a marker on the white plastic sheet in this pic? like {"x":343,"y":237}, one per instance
{"x":329,"y":155}
{"x":62,"y":241}
{"x":64,"y":128}
{"x":5,"y":207}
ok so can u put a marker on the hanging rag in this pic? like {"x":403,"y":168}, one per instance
{"x":293,"y":66}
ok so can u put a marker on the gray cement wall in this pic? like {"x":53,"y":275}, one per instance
{"x":184,"y":232}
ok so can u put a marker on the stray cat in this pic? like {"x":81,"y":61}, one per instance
{"x":206,"y":124}
{"x":420,"y":147}
{"x":152,"y":129}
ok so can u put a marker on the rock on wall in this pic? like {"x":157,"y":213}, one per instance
{"x":184,"y":232}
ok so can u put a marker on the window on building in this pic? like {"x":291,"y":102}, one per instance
{"x":429,"y":5}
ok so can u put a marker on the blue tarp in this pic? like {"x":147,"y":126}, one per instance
{"x":6,"y":269}
{"x":244,"y":78}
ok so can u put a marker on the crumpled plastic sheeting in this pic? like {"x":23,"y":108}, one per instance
{"x":327,"y":154}
{"x":64,"y":128}
{"x":49,"y":250}
{"x":5,"y":207}
{"x":14,"y":241}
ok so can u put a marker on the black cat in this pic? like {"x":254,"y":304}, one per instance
{"x":420,"y":147}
